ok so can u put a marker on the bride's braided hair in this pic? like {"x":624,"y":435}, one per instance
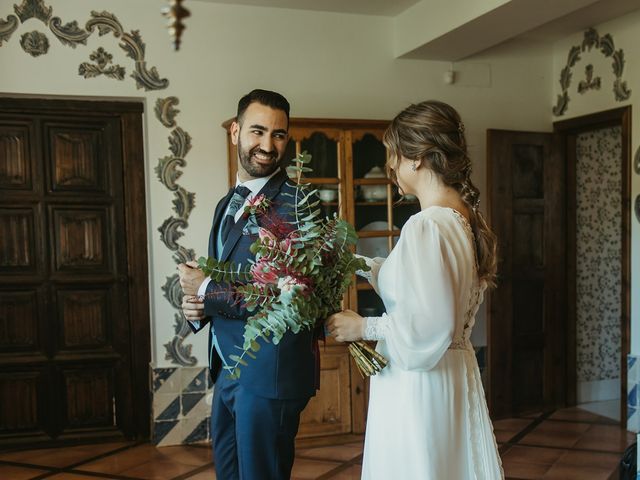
{"x":433,"y":133}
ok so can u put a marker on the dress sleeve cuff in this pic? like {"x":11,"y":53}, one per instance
{"x":375,"y":328}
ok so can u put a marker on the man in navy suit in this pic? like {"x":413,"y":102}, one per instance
{"x":255,"y":418}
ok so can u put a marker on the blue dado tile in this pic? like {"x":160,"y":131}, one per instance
{"x":162,"y":429}
{"x":171,"y":412}
{"x":633,"y":420}
{"x":165,"y":380}
{"x":190,"y":400}
{"x":200,"y":433}
{"x":632,"y":396}
{"x":198,"y":384}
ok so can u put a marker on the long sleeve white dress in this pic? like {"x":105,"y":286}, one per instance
{"x":428,"y":418}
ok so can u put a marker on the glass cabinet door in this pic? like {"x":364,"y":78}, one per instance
{"x":379,"y":211}
{"x":326,"y":149}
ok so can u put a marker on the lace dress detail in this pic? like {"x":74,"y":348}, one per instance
{"x":376,"y":327}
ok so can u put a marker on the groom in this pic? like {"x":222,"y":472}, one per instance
{"x":255,"y":418}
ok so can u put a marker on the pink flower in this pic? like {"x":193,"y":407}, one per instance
{"x":264,"y":273}
{"x":265,"y":234}
{"x":289,"y":283}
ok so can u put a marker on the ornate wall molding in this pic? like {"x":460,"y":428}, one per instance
{"x":71,"y":35}
{"x":34,"y":43}
{"x":7,"y":27}
{"x":166,"y":111}
{"x":101,"y":67}
{"x":606,"y":46}
{"x":589,"y":83}
{"x":33,"y":9}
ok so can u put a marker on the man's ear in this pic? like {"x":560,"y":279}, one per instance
{"x":235,"y":132}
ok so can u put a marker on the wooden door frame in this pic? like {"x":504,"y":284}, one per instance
{"x":568,"y":130}
{"x":133,"y":160}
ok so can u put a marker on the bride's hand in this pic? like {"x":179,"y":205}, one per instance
{"x":345,"y":326}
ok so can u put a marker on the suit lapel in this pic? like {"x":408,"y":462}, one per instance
{"x":213,"y":237}
{"x":270,"y":190}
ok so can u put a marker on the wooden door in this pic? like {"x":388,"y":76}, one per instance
{"x":527,"y":364}
{"x":66,"y":343}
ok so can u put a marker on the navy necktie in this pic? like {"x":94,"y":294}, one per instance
{"x":240,"y":194}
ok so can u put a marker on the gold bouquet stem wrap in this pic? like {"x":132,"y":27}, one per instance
{"x":368,"y":361}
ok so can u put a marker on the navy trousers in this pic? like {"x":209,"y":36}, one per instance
{"x":253,"y":437}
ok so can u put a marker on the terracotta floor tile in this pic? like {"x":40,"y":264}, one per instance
{"x":62,"y":457}
{"x":503,"y":436}
{"x":512,"y":424}
{"x":159,"y":470}
{"x":530,"y":415}
{"x":609,"y":438}
{"x":18,"y":473}
{"x":354,"y":472}
{"x":573,"y":472}
{"x":309,"y":469}
{"x":590,"y":459}
{"x":532,"y":471}
{"x":126,"y":460}
{"x":576,"y":414}
{"x":545,"y":440}
{"x":339,"y":452}
{"x":208,"y":474}
{"x":563,"y":427}
{"x":188,"y":455}
{"x":540,"y":455}
{"x":72,"y":476}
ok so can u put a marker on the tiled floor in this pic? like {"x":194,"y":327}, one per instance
{"x":563,"y":445}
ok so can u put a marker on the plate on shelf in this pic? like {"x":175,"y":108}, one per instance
{"x":375,"y":246}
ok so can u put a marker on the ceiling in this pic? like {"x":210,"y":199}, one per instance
{"x":453,"y":30}
{"x":387,"y":8}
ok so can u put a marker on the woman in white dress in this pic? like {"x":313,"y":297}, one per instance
{"x":428,"y":418}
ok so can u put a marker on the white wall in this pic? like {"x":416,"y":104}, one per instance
{"x":328,"y":65}
{"x":625,"y":32}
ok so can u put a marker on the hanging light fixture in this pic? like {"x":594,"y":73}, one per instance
{"x":175,"y":12}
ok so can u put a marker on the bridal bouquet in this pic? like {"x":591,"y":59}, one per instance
{"x":302,"y":268}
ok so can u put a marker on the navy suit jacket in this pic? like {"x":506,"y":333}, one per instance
{"x":287,"y":370}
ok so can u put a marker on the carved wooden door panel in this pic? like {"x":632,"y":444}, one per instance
{"x":527,"y":360}
{"x":64,"y":327}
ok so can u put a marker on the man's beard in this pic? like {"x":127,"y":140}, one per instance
{"x":252,"y":167}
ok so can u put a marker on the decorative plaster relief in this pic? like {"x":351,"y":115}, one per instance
{"x":33,"y":9}
{"x":102,"y":59}
{"x":166,"y":111}
{"x":34,"y":43}
{"x":7,"y":27}
{"x":606,"y":46}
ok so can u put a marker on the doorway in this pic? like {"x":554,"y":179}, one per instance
{"x":552,"y":297}
{"x":598,"y":159}
{"x":74,"y":315}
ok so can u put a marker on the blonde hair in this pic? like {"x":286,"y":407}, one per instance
{"x":432,"y":132}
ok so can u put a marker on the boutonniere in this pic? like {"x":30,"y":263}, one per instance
{"x":258,"y":205}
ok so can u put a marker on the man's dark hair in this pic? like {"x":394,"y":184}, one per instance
{"x":263,"y":97}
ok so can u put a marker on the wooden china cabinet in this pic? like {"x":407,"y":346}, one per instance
{"x":344,"y":152}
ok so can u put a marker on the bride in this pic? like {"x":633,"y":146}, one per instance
{"x":428,"y":417}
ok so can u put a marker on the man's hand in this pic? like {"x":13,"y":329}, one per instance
{"x":345,"y":326}
{"x":192,"y":308}
{"x":191,"y":277}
